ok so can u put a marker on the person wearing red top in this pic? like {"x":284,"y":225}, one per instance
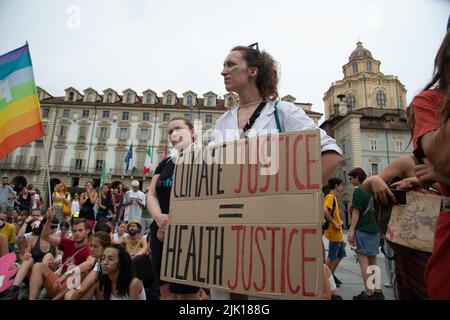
{"x":431,"y":139}
{"x":75,"y":253}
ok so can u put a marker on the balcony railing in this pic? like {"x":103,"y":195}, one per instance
{"x":13,"y":166}
{"x":95,"y":171}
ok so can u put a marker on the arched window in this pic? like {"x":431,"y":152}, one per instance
{"x":381,"y":98}
{"x":109,"y":97}
{"x":189,"y":101}
{"x":351,"y":100}
{"x":354,"y":67}
{"x":129,"y":98}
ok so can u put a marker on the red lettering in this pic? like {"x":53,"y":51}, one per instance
{"x":306,"y":259}
{"x":266,"y":186}
{"x":248,"y":285}
{"x":277,"y":177}
{"x":263,"y":264}
{"x":308,"y":164}
{"x":241,"y":174}
{"x":298,"y":184}
{"x":238,"y":229}
{"x":272,"y":257}
{"x":287,"y":162}
{"x":283,"y":260}
{"x":297,"y":289}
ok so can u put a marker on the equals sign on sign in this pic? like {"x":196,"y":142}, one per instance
{"x":235,"y":214}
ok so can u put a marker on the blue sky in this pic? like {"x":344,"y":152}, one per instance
{"x":181,"y":45}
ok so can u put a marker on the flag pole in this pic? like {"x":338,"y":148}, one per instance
{"x":48,"y":173}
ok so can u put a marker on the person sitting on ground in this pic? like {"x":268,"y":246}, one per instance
{"x":64,"y":230}
{"x":117,"y":281}
{"x":75,"y":252}
{"x":37,"y":250}
{"x":121,"y":228}
{"x":134,"y":244}
{"x":142,"y":267}
{"x":28,"y":226}
{"x":8,"y":230}
{"x":98,"y":242}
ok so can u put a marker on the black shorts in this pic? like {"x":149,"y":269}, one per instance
{"x":157,"y":251}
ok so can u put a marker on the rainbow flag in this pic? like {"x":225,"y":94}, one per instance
{"x":20,"y":112}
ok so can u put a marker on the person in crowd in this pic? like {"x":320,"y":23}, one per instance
{"x":37,"y":250}
{"x":118,"y":195}
{"x":27,"y":227}
{"x":117,"y":281}
{"x":134,"y":243}
{"x":8,"y":230}
{"x":60,"y":198}
{"x":334,"y":233}
{"x":142,"y":268}
{"x":75,"y":206}
{"x":253,"y":75}
{"x":158,"y":201}
{"x":121,"y":231}
{"x":64,"y":230}
{"x":363,"y":234}
{"x":106,"y":203}
{"x":98,"y":242}
{"x":36,"y":200}
{"x":75,"y":252}
{"x":409,"y":264}
{"x":87,"y":201}
{"x":6,"y":193}
{"x":133,"y":202}
{"x":431,"y":141}
{"x":24,"y":199}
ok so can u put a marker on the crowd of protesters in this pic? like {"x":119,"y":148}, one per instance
{"x":98,"y":235}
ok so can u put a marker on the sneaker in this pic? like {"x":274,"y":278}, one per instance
{"x":13,"y":293}
{"x":378,"y":295}
{"x":337,"y":281}
{"x":363,"y":296}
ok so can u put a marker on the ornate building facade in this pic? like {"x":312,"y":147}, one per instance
{"x":83,"y":129}
{"x":366,"y":113}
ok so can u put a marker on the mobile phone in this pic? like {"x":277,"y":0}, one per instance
{"x":400,"y":196}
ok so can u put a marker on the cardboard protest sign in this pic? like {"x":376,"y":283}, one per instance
{"x":246,"y":217}
{"x":413,"y":225}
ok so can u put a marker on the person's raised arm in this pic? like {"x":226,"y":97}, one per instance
{"x":83,"y":198}
{"x":23,"y":228}
{"x":45,"y":235}
{"x":93,"y":196}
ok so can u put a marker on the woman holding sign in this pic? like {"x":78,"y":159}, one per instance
{"x":181,"y":133}
{"x":253,"y":75}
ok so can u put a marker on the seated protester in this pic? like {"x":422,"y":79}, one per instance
{"x":142,"y":267}
{"x":27,"y":226}
{"x":4,"y":247}
{"x":75,"y":252}
{"x":134,"y":244}
{"x":37,"y":250}
{"x":64,"y":230}
{"x":116,"y":277}
{"x":121,"y":228}
{"x":98,"y":242}
{"x":8,"y":230}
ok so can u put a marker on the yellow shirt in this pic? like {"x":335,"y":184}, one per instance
{"x":333,"y":234}
{"x":10,"y":232}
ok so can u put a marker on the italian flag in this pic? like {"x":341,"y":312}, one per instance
{"x":148,"y":161}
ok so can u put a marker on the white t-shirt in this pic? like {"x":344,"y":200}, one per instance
{"x":35,"y":201}
{"x":133,"y":211}
{"x":116,"y":236}
{"x":75,"y":206}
